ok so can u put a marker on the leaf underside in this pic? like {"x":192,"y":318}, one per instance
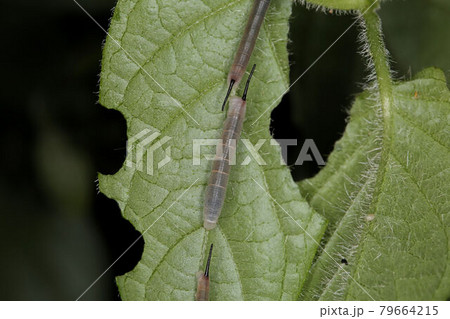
{"x":384,"y":192}
{"x":386,"y":198}
{"x":267,"y":237}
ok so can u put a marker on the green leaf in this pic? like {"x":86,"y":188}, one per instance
{"x":340,"y":4}
{"x":267,"y":234}
{"x":385,"y":193}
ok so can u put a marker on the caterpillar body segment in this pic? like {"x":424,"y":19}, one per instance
{"x":247,"y":45}
{"x":218,"y":180}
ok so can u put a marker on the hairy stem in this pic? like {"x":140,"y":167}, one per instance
{"x":379,"y":57}
{"x":380,"y":60}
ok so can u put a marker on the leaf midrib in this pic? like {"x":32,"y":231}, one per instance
{"x":385,"y":96}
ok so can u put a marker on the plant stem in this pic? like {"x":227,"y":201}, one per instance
{"x":380,"y":60}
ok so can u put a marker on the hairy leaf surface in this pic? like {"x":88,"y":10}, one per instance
{"x":165,"y":69}
{"x":341,"y":4}
{"x":385,"y":193}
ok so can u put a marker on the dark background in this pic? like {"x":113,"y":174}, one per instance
{"x":57,"y":234}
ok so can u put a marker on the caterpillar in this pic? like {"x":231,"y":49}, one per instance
{"x":203,"y":281}
{"x":247,"y":45}
{"x":217,"y":185}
